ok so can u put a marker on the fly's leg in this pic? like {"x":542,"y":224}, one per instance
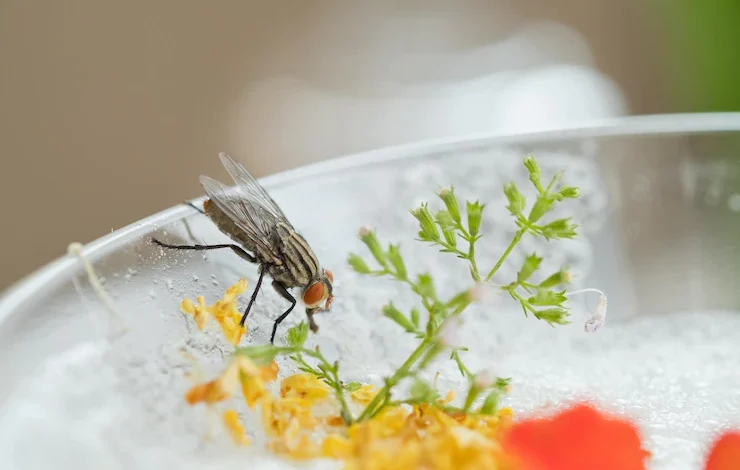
{"x":188,"y":203}
{"x":254,"y":295}
{"x":235,"y":248}
{"x":185,"y":220}
{"x":312,"y":324}
{"x":283,"y":291}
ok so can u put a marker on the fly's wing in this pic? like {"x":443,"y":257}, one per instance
{"x":252,"y":190}
{"x":254,"y":220}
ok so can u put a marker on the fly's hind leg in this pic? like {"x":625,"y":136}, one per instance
{"x":187,"y":224}
{"x":188,"y":203}
{"x":283,"y":291}
{"x":263,"y":269}
{"x":235,"y":248}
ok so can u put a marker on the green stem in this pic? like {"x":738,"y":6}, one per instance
{"x":453,"y":249}
{"x":346,"y":414}
{"x":463,"y":369}
{"x":472,"y":395}
{"x":383,"y":395}
{"x":333,"y":382}
{"x":461,"y":228}
{"x":473,"y":264}
{"x":517,"y":239}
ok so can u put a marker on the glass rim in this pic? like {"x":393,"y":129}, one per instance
{"x":659,"y":124}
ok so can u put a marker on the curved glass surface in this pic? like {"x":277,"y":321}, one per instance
{"x":660,"y":218}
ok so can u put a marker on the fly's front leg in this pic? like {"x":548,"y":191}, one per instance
{"x":283,"y":291}
{"x":312,"y":324}
{"x":235,"y":248}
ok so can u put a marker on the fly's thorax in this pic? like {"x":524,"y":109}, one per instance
{"x":297,"y":256}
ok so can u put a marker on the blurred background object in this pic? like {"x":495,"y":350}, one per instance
{"x":111,"y":110}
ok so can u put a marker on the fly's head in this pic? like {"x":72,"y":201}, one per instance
{"x":319,"y":292}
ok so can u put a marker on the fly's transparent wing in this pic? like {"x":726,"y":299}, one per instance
{"x":251,"y":190}
{"x":255,"y":221}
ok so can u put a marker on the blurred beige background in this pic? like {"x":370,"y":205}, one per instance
{"x":111,"y":110}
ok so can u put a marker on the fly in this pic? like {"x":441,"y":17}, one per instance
{"x":263,"y":235}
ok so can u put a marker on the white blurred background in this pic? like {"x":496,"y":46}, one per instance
{"x":111,"y":110}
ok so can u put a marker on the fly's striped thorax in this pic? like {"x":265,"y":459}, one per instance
{"x":299,"y":258}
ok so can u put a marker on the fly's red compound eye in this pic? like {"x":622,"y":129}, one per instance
{"x":329,"y":275}
{"x":314,"y":294}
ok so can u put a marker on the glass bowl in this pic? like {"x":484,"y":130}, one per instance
{"x":659,"y":222}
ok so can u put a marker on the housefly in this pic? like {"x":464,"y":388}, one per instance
{"x":263,"y":235}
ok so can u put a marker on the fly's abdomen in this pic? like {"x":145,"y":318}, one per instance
{"x":298,"y":257}
{"x":227,"y":226}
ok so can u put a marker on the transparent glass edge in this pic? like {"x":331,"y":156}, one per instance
{"x":668,"y":124}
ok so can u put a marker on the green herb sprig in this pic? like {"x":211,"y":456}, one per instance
{"x":455,"y":231}
{"x":295,"y":350}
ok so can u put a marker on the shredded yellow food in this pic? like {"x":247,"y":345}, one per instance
{"x":225,"y":312}
{"x":364,"y":395}
{"x":398,"y":437}
{"x":235,"y":428}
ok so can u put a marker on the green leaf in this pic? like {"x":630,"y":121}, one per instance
{"x":558,"y":229}
{"x":436,"y":318}
{"x":358,"y":264}
{"x":394,"y":256}
{"x":553,"y":316}
{"x":541,"y":207}
{"x":569,"y":192}
{"x":525,"y":306}
{"x":371,"y":241}
{"x":297,"y":335}
{"x":555,"y":180}
{"x":545,"y":298}
{"x":389,"y":311}
{"x":490,"y":404}
{"x":450,"y":201}
{"x":308,"y":370}
{"x":502,"y":383}
{"x":531,"y":264}
{"x":444,"y":219}
{"x":352,"y":386}
{"x":428,"y":227}
{"x":517,"y":201}
{"x":261,"y":355}
{"x":475,"y":215}
{"x":415,"y":317}
{"x":560,"y":277}
{"x":425,"y":286}
{"x":323,"y":368}
{"x":445,"y":222}
{"x":534,"y":171}
{"x":422,"y":392}
{"x":455,"y":356}
{"x":473,"y":393}
{"x":460,"y":301}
